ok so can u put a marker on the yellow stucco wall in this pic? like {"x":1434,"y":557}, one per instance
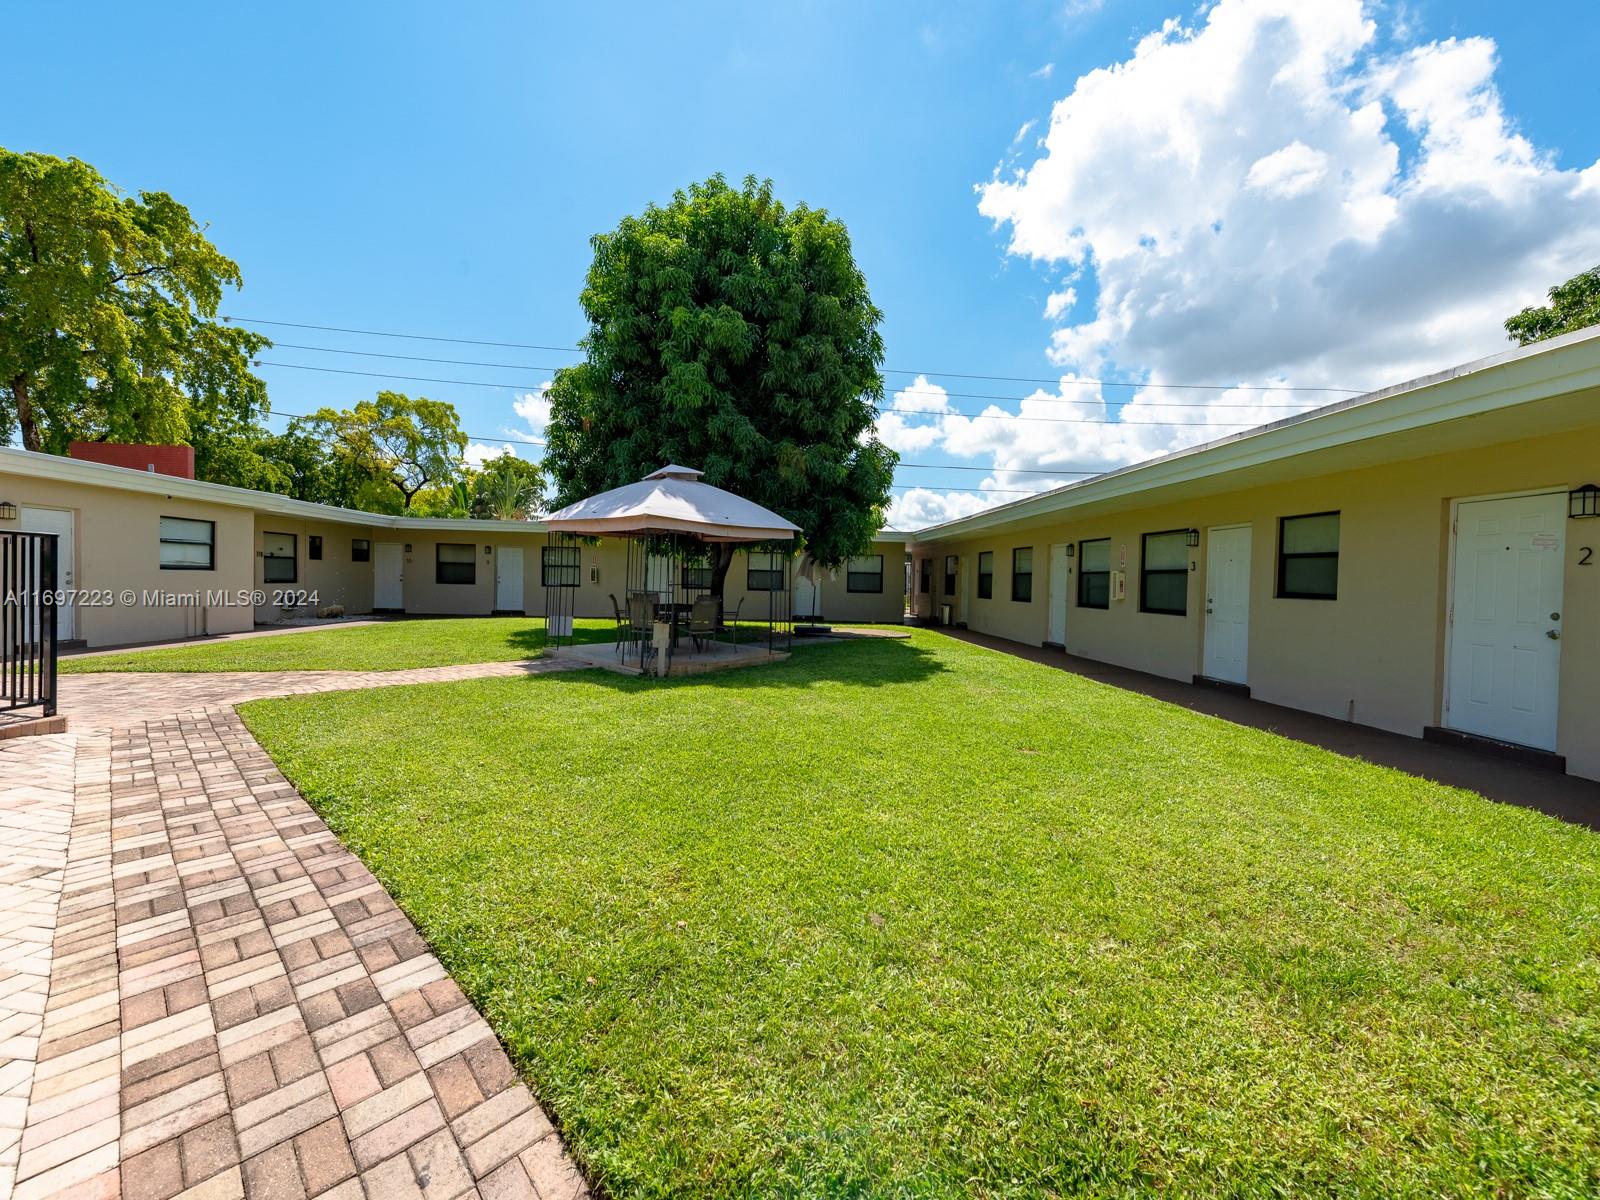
{"x":1376,"y":653}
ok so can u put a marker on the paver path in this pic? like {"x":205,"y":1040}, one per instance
{"x":116,"y":700}
{"x":204,"y":994}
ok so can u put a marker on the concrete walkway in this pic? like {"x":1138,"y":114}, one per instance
{"x":204,"y":994}
{"x":1565,"y":796}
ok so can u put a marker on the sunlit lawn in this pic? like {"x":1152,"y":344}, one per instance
{"x":916,"y":918}
{"x":386,"y":646}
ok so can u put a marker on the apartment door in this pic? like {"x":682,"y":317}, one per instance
{"x":58,"y":521}
{"x":388,"y":576}
{"x":1059,"y":587}
{"x":508,"y":578}
{"x":1227,"y":628}
{"x":1505,"y":618}
{"x":805,"y":597}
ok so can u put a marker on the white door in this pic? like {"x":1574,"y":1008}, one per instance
{"x":1505,"y":618}
{"x":508,"y":578}
{"x":805,"y":596}
{"x":1227,"y":631}
{"x":57,"y":521}
{"x":388,"y":576}
{"x":1058,"y":594}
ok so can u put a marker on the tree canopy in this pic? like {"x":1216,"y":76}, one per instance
{"x":397,"y":443}
{"x":732,"y":334}
{"x":106,"y":307}
{"x":1573,"y":305}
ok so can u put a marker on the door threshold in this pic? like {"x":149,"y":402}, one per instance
{"x":1530,"y":756}
{"x":1222,"y":685}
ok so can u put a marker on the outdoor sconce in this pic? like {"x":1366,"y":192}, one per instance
{"x":1072,"y":549}
{"x":1193,"y":538}
{"x":486,"y":550}
{"x":408,"y":547}
{"x":8,"y":511}
{"x":1581,"y":502}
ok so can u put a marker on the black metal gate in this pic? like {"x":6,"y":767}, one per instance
{"x":28,"y":582}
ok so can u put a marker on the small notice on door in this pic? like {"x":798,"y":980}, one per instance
{"x":1545,"y":541}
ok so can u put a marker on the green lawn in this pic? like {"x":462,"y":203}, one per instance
{"x":912,"y":918}
{"x":389,"y":646}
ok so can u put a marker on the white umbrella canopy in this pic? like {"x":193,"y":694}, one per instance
{"x":672,"y":500}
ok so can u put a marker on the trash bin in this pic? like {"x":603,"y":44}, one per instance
{"x":947,"y":614}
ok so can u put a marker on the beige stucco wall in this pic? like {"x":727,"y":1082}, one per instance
{"x":333,"y":579}
{"x":1376,"y":653}
{"x":116,"y":549}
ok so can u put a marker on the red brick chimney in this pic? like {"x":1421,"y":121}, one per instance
{"x":161,"y":460}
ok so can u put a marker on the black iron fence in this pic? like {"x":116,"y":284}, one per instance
{"x":28,"y":595}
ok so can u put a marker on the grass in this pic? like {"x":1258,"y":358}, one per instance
{"x":387,"y":646}
{"x":918,"y":919}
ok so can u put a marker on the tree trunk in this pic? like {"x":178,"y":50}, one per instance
{"x":25,"y":419}
{"x":721,"y":561}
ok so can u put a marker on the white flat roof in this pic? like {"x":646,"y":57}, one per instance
{"x":72,"y":470}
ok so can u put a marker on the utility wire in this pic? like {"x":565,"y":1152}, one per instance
{"x":497,"y":440}
{"x":927,"y":412}
{"x":472,"y":362}
{"x":422,"y":337}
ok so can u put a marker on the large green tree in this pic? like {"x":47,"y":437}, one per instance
{"x":106,"y":307}
{"x":1574,"y":304}
{"x":399,"y":444}
{"x":507,"y":488}
{"x":732,"y":334}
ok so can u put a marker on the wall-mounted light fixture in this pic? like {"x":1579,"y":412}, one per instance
{"x":1581,"y":502}
{"x":1072,"y":549}
{"x":1193,"y":539}
{"x":8,"y":511}
{"x":487,"y":550}
{"x":408,"y":547}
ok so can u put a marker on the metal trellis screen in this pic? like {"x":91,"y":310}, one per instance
{"x":560,"y":573}
{"x":28,"y":584}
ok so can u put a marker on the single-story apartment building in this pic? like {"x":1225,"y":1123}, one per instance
{"x":1416,"y":559}
{"x":147,"y":556}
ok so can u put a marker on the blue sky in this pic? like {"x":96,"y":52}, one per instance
{"x":439,"y":169}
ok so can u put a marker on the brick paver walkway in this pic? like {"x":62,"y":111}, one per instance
{"x":204,"y":994}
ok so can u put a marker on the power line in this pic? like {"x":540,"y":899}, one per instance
{"x":927,"y":412}
{"x":993,"y":470}
{"x":415,"y":337}
{"x":945,"y":487}
{"x":499,"y":441}
{"x":422,"y":337}
{"x":471,"y":362}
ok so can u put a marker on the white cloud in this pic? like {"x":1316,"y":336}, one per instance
{"x":1266,"y":194}
{"x":1058,"y":302}
{"x":479,"y":453}
{"x":534,"y":408}
{"x":917,"y":508}
{"x":1043,"y":72}
{"x":1023,"y":132}
{"x":906,"y":426}
{"x":1287,"y":173}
